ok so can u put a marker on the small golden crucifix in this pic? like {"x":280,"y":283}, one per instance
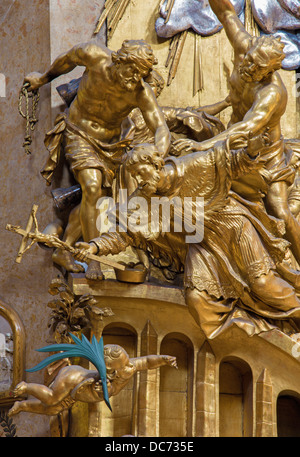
{"x":49,"y":240}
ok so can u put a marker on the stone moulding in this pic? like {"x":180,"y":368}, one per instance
{"x":167,"y":294}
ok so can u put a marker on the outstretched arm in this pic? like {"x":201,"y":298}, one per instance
{"x":81,"y":55}
{"x":216,"y":108}
{"x":151,"y":362}
{"x":155,"y":120}
{"x":268,"y":102}
{"x":108,"y":243}
{"x":235,"y":30}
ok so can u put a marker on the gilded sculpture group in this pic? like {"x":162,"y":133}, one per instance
{"x":244,"y":271}
{"x":114,"y":129}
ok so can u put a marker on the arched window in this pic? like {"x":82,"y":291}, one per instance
{"x":176,"y":388}
{"x":288,"y":415}
{"x":12,"y":351}
{"x":235,"y":398}
{"x":122,"y":419}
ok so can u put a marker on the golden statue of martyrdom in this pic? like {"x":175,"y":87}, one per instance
{"x":112,"y":85}
{"x":259,"y":99}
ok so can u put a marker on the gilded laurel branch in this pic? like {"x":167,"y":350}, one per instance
{"x":6,"y":423}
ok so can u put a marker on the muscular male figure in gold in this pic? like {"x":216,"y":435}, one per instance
{"x":259,"y":98}
{"x":112,"y":85}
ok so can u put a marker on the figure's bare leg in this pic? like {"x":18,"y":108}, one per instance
{"x":91,"y":182}
{"x":91,"y":185}
{"x":39,"y":391}
{"x":32,"y":406}
{"x":47,"y":396}
{"x":129,"y":184}
{"x":277,"y":204}
{"x":71,"y":235}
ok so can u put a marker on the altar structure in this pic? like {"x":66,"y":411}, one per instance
{"x":237,"y":384}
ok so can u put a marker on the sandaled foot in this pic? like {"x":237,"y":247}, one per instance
{"x":94,"y":272}
{"x":65,"y":260}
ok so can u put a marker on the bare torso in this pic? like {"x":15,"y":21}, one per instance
{"x":101,"y":105}
{"x":244,"y":95}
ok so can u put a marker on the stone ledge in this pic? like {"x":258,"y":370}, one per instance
{"x":113,"y":288}
{"x":164,"y":294}
{"x":283,"y":342}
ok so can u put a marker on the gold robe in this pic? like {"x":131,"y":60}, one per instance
{"x":241,"y":241}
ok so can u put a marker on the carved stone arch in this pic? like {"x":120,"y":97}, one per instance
{"x":291,"y":393}
{"x":18,"y":331}
{"x":120,"y":325}
{"x":235,"y":398}
{"x":119,"y":332}
{"x":122,"y":420}
{"x":288,"y":414}
{"x":176,"y":387}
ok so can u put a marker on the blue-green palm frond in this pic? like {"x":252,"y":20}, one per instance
{"x":94,"y":352}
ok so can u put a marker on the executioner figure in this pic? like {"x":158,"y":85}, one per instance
{"x":93,"y":135}
{"x":259,"y":99}
{"x":230,"y":275}
{"x":75,"y":383}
